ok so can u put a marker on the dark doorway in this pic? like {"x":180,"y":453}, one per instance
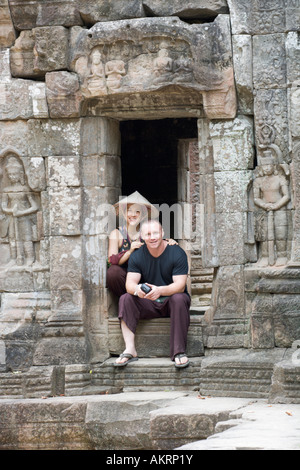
{"x":149,"y":157}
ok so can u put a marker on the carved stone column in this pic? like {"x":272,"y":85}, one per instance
{"x":226,"y":161}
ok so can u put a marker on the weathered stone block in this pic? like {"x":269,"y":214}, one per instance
{"x":5,"y":75}
{"x":14,"y":134}
{"x":286,"y":378}
{"x":294,"y":124}
{"x":230,"y":230}
{"x":231,"y":190}
{"x":92,"y":11}
{"x":22,"y":99}
{"x":7,"y":32}
{"x":243,"y":72}
{"x":99,"y":136}
{"x":226,"y":334}
{"x":248,"y":373}
{"x":63,"y":95}
{"x":271,"y":123}
{"x":191,"y":9}
{"x":258,"y":17}
{"x":17,"y":308}
{"x":95,"y":257}
{"x":99,"y":216}
{"x":286,"y":328}
{"x":210,"y":257}
{"x":170,"y":431}
{"x":60,"y":349}
{"x":63,"y":171}
{"x":233,"y":144}
{"x":269,"y":63}
{"x":262,"y":331}
{"x":29,"y":14}
{"x":292,"y":57}
{"x":65,"y":211}
{"x":66,"y":305}
{"x":53,"y":137}
{"x":95,"y":318}
{"x":103,"y":171}
{"x":39,"y":51}
{"x":228,"y":297}
{"x":66,"y":262}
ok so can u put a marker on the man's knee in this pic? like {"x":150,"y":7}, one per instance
{"x":114,"y":271}
{"x":125,"y":298}
{"x":180,"y":298}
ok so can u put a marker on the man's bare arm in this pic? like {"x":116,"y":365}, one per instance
{"x":132,"y":281}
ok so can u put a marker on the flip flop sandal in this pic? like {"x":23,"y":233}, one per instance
{"x":130,"y":357}
{"x":181,"y":366}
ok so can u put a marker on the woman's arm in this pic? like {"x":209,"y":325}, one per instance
{"x":115,"y":243}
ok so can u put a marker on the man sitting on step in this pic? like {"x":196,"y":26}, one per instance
{"x":164,"y":269}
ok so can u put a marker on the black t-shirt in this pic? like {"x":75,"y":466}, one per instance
{"x":159,"y":271}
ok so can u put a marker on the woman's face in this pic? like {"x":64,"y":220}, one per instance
{"x":134,"y":214}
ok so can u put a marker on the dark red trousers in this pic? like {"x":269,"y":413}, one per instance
{"x":132,"y":308}
{"x":116,"y":279}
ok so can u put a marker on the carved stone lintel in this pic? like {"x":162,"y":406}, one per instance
{"x":140,"y":58}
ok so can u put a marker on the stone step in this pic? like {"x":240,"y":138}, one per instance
{"x":135,"y":421}
{"x":239,"y":373}
{"x":152,"y":337}
{"x":267,"y":374}
{"x":146,"y":374}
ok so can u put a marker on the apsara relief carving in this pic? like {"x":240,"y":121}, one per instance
{"x":270,"y":202}
{"x":20,"y":213}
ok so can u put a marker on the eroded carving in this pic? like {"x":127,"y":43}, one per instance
{"x":114,"y":70}
{"x":95,"y":81}
{"x":163,"y":66}
{"x":39,"y":51}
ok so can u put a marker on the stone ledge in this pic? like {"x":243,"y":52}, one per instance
{"x":110,"y":422}
{"x":147,"y":374}
{"x":147,"y":421}
{"x":152,"y":337}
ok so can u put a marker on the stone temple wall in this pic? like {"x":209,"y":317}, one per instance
{"x":69,"y":73}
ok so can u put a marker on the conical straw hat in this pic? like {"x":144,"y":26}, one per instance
{"x":136,"y":198}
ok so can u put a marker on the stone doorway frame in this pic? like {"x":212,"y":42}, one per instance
{"x":225,"y":150}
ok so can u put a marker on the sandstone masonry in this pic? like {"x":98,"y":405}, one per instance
{"x":71,"y":72}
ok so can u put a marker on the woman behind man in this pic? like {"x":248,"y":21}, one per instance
{"x":133,"y":211}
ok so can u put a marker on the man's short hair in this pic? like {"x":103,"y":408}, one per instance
{"x":151,"y":221}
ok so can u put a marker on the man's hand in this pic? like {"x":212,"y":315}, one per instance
{"x":154,"y":294}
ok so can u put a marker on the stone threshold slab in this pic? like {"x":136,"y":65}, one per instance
{"x":125,"y":421}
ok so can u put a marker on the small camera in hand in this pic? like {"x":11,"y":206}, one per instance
{"x":145,"y":288}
